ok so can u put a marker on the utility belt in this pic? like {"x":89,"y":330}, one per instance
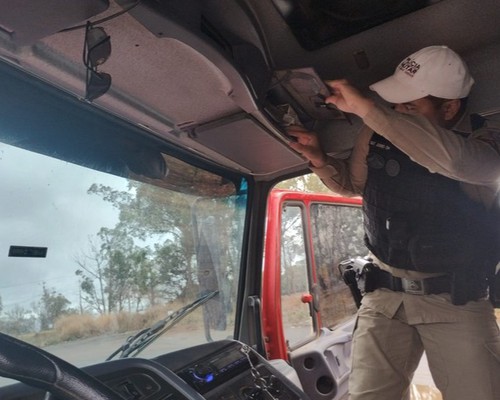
{"x":362,"y":276}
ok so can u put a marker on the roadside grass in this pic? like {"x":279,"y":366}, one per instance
{"x":81,"y":326}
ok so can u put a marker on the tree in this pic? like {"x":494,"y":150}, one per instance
{"x":172,"y":266}
{"x":146,"y":214}
{"x":91,"y":271}
{"x":108,"y":271}
{"x":19,"y":320}
{"x":120,"y":257}
{"x":306,"y":183}
{"x":52,"y":306}
{"x":117,"y":274}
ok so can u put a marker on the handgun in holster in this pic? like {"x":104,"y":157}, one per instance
{"x":359,"y":275}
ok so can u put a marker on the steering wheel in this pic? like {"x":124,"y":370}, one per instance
{"x":36,"y":367}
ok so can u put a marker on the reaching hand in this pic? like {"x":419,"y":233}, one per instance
{"x":348,"y":99}
{"x":308,"y":145}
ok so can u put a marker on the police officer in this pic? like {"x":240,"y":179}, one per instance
{"x":430,"y":202}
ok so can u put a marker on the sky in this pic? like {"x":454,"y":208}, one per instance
{"x":44,"y":203}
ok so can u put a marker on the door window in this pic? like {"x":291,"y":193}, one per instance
{"x":295,"y":281}
{"x":337,"y":235}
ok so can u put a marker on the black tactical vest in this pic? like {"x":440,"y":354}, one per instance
{"x":418,"y":220}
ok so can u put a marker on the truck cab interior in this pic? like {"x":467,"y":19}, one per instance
{"x":139,"y":142}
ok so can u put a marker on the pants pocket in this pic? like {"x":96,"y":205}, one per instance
{"x":494,"y":349}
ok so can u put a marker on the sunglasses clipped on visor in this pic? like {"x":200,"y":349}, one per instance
{"x":97,"y":50}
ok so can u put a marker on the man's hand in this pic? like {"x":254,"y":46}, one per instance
{"x":308,"y":145}
{"x":348,"y":99}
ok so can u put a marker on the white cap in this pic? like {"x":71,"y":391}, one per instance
{"x":436,"y":70}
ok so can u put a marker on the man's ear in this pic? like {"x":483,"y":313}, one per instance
{"x":450,"y":109}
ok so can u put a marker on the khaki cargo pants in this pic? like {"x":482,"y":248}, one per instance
{"x":462,"y":344}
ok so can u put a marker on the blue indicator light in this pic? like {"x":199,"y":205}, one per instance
{"x":203,"y":378}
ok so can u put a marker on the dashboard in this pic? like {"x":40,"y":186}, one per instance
{"x":220,"y":370}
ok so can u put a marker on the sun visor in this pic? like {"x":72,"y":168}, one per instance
{"x":243,"y":140}
{"x":23,"y":22}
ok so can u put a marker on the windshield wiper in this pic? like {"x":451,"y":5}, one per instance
{"x":138,"y":342}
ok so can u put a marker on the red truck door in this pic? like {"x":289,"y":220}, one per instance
{"x":308,"y":312}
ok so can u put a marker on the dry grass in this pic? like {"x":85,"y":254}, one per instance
{"x":73,"y":327}
{"x":80,"y":326}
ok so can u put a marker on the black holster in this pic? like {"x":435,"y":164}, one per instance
{"x":360,"y":275}
{"x":463,"y":285}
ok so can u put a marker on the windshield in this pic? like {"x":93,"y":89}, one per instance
{"x":103,"y":234}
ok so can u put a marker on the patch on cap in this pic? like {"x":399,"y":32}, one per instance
{"x":409,"y":66}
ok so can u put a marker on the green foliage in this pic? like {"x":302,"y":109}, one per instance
{"x":52,"y":306}
{"x":125,"y":273}
{"x":306,"y":183}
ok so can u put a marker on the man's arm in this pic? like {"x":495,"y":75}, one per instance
{"x":470,"y":160}
{"x":473,"y":160}
{"x":346,"y":177}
